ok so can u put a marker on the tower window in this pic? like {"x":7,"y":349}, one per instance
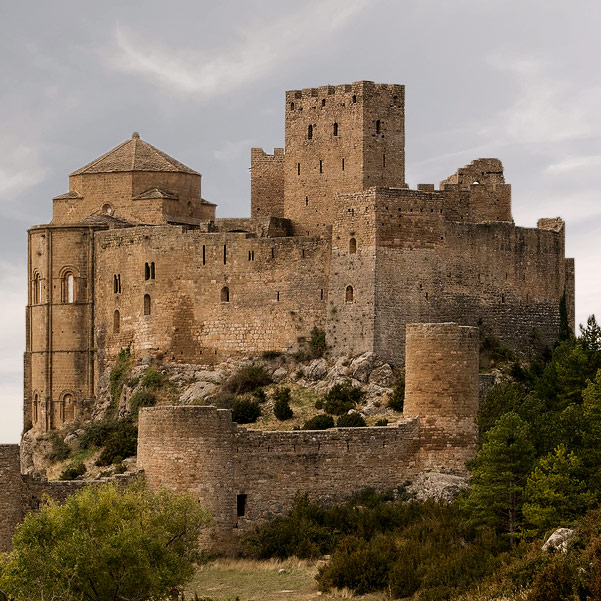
{"x":251,"y":255}
{"x":277,"y":295}
{"x":36,"y":289}
{"x":241,"y":505}
{"x":225,"y":295}
{"x":310,"y":132}
{"x":320,"y":166}
{"x":343,"y":164}
{"x":352,"y":246}
{"x":323,"y":102}
{"x":354,"y":98}
{"x":292,"y":106}
{"x":306,"y":201}
{"x":321,"y":294}
{"x":116,"y":322}
{"x":298,"y":168}
{"x":383,"y":160}
{"x":152,"y":273}
{"x":272,"y":252}
{"x":224,"y":254}
{"x":378,"y":126}
{"x":68,"y":288}
{"x":350,"y":294}
{"x":335,"y":129}
{"x":204,"y":254}
{"x":147,"y":304}
{"x":146,"y":271}
{"x":117,"y":283}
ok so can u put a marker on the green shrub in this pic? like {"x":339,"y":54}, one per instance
{"x":271,"y":354}
{"x":247,"y":379}
{"x":259,"y":395}
{"x":319,"y":422}
{"x":382,"y":422}
{"x":397,"y":399}
{"x":341,"y":398}
{"x":60,"y":449}
{"x":319,"y":404}
{"x":317,"y":342}
{"x":119,"y":373}
{"x":141,"y":398}
{"x":122,"y":442}
{"x":555,"y":582}
{"x":245,"y":411}
{"x":152,"y":378}
{"x":72,"y":471}
{"x":96,"y":433}
{"x":281,"y":406}
{"x":351,"y":420}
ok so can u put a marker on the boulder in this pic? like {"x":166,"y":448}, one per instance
{"x":197,"y":391}
{"x":316,"y":370}
{"x":436,"y":485}
{"x":558,"y":541}
{"x":382,"y":375}
{"x":361,"y":367}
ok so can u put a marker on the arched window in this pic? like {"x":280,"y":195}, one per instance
{"x":350,"y":294}
{"x":35,"y":407}
{"x":225,"y":295}
{"x":116,"y":322}
{"x":378,"y":126}
{"x":335,"y":129}
{"x":68,"y":408}
{"x":292,"y":106}
{"x":152,"y":272}
{"x":36,"y":289}
{"x":146,"y":271}
{"x":68,"y":287}
{"x":107,"y":209}
{"x":147,"y":304}
{"x":352,"y":246}
{"x":310,"y":132}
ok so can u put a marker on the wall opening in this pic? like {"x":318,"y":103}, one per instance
{"x":204,"y":254}
{"x":378,"y":126}
{"x":241,"y":505}
{"x":310,"y":132}
{"x":352,"y":246}
{"x":224,"y":254}
{"x":68,"y":408}
{"x":225,"y":295}
{"x":68,"y":288}
{"x":354,"y":98}
{"x":147,"y":304}
{"x":277,"y":295}
{"x":343,"y":164}
{"x":350,"y":294}
{"x":306,"y":201}
{"x":323,"y":102}
{"x":383,"y":160}
{"x":116,"y":322}
{"x":251,"y":255}
{"x":335,"y":129}
{"x":36,"y":289}
{"x":272,"y":252}
{"x":320,"y":166}
{"x":321,"y":293}
{"x":146,"y":271}
{"x":152,"y":272}
{"x":117,"y":283}
{"x":298,"y":168}
{"x":35,"y":408}
{"x":292,"y":106}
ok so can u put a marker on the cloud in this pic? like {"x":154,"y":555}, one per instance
{"x":19,"y":169}
{"x":260,"y":48}
{"x":575,"y":163}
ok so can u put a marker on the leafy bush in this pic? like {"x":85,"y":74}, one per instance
{"x":141,"y":398}
{"x":245,"y":411}
{"x":351,"y":420}
{"x":281,"y":407}
{"x":555,"y":582}
{"x":341,"y":398}
{"x":317,"y":342}
{"x":382,"y":422}
{"x":247,"y":379}
{"x":119,"y":373}
{"x":271,"y":354}
{"x":72,"y":471}
{"x":493,"y":350}
{"x":122,"y":442}
{"x":319,"y":422}
{"x":96,"y":433}
{"x":397,"y":400}
{"x":152,"y":378}
{"x":259,"y":395}
{"x":60,"y":449}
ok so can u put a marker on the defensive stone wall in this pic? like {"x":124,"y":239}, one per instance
{"x":11,"y":493}
{"x":267,"y":182}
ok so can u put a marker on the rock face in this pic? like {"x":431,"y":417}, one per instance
{"x":436,"y":485}
{"x":558,"y":541}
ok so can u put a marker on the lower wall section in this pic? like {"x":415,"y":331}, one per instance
{"x":11,"y":492}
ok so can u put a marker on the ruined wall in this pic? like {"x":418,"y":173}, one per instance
{"x":267,"y":183}
{"x":213,"y":295}
{"x":59,"y":362}
{"x":336,"y":139}
{"x":442,"y":390}
{"x":11,"y":491}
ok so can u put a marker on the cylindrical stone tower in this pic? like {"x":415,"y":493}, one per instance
{"x":190,"y":449}
{"x":441,"y":375}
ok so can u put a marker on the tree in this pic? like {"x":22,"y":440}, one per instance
{"x":555,"y":495}
{"x":499,"y":474}
{"x":281,"y":405}
{"x":590,"y":335}
{"x":105,"y":544}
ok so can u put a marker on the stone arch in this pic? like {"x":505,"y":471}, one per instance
{"x":225,"y":295}
{"x":36,"y":288}
{"x":68,"y":407}
{"x":352,"y":246}
{"x":147,"y":304}
{"x":69,"y":277}
{"x":349,"y":296}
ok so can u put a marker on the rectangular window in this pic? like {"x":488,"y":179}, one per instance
{"x":224,"y":254}
{"x":241,"y":505}
{"x":320,"y":166}
{"x":343,"y":164}
{"x":298,"y":168}
{"x":204,"y":254}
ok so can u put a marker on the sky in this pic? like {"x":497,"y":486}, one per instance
{"x":205,"y":81}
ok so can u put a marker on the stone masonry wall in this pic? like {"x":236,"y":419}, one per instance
{"x":267,"y":183}
{"x":11,"y":491}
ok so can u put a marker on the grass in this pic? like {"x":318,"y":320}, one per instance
{"x":224,"y":579}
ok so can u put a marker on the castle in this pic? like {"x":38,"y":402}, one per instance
{"x":134,"y":256}
{"x":336,"y":240}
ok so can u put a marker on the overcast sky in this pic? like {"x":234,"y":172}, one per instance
{"x":205,"y":81}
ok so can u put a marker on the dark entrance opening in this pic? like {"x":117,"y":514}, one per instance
{"x":240,"y":505}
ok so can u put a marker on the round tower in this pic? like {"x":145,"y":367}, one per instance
{"x":190,"y":449}
{"x":441,"y":375}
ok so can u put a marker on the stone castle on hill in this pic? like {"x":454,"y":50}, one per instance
{"x":134,"y":256}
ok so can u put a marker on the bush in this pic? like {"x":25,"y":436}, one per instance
{"x":259,"y":395}
{"x":245,"y":411}
{"x":72,"y":471}
{"x":555,"y":582}
{"x":247,"y":379}
{"x":281,"y":407}
{"x":382,"y":422}
{"x":122,"y":442}
{"x":341,"y":399}
{"x":397,"y":400}
{"x":96,"y":433}
{"x":141,"y":398}
{"x":351,"y":420}
{"x":319,"y":422}
{"x":60,"y":449}
{"x":317,"y":343}
{"x":152,"y":378}
{"x":271,"y":354}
